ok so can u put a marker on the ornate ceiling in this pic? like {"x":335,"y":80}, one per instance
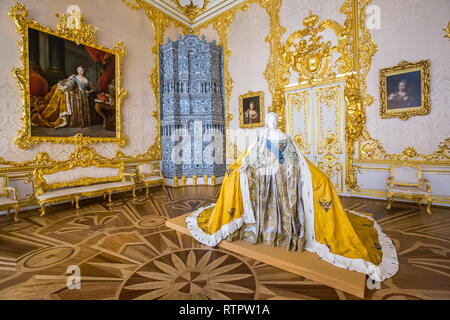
{"x":193,"y":12}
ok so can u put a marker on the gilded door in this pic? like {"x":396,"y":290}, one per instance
{"x":316,"y":121}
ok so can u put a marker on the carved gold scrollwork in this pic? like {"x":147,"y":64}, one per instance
{"x":307,"y":53}
{"x":333,"y":171}
{"x":85,"y":34}
{"x":372,"y":149}
{"x":329,"y":142}
{"x":300,"y":141}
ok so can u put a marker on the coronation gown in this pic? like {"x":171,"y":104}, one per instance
{"x":273,"y":195}
{"x":71,"y":107}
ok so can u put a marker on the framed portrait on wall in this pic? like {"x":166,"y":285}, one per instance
{"x":405,"y":90}
{"x":71,"y":85}
{"x":72,"y":88}
{"x":251,"y":110}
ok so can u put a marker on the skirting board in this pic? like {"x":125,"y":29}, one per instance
{"x":305,"y":264}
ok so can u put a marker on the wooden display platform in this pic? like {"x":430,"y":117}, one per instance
{"x":305,"y":264}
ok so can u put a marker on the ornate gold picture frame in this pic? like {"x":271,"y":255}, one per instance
{"x":405,"y":90}
{"x":48,"y":110}
{"x":251,"y":109}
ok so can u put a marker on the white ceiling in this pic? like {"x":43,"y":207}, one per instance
{"x":212,"y":9}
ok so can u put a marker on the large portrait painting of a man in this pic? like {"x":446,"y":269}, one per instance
{"x":251,"y":113}
{"x":72,"y":88}
{"x":404,"y":90}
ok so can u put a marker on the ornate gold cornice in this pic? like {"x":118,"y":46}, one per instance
{"x":372,"y":149}
{"x":191,"y":10}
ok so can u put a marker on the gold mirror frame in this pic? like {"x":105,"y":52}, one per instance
{"x":404,"y":113}
{"x":84,"y":35}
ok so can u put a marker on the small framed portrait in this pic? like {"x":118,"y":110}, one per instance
{"x":405,"y":90}
{"x":251,"y":109}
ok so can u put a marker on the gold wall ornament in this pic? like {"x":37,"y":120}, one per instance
{"x":84,"y":35}
{"x":372,"y":150}
{"x":355,"y":120}
{"x":405,"y":68}
{"x":447,"y":31}
{"x":308,"y":54}
{"x":300,"y":141}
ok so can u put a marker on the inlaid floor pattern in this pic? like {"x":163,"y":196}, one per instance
{"x":124,"y":251}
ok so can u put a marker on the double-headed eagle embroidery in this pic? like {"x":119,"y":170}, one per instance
{"x":326,"y":205}
{"x":231,"y":212}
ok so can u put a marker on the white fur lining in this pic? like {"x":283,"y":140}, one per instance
{"x":389,"y":263}
{"x":211,"y":239}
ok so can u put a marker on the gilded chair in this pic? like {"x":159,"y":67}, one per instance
{"x":406,"y":182}
{"x":150,"y":173}
{"x":8,"y":201}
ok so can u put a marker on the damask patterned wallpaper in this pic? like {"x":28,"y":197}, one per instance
{"x":115,"y":22}
{"x":412,"y":30}
{"x":249,"y":56}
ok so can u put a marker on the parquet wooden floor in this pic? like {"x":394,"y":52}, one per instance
{"x":124,"y":251}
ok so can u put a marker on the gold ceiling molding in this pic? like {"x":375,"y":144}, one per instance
{"x":85,"y":35}
{"x":308,"y":54}
{"x":191,"y":10}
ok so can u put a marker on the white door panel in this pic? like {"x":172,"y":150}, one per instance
{"x":316,"y":121}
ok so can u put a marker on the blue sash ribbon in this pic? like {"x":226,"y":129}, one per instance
{"x":80,"y":83}
{"x":274,"y":149}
